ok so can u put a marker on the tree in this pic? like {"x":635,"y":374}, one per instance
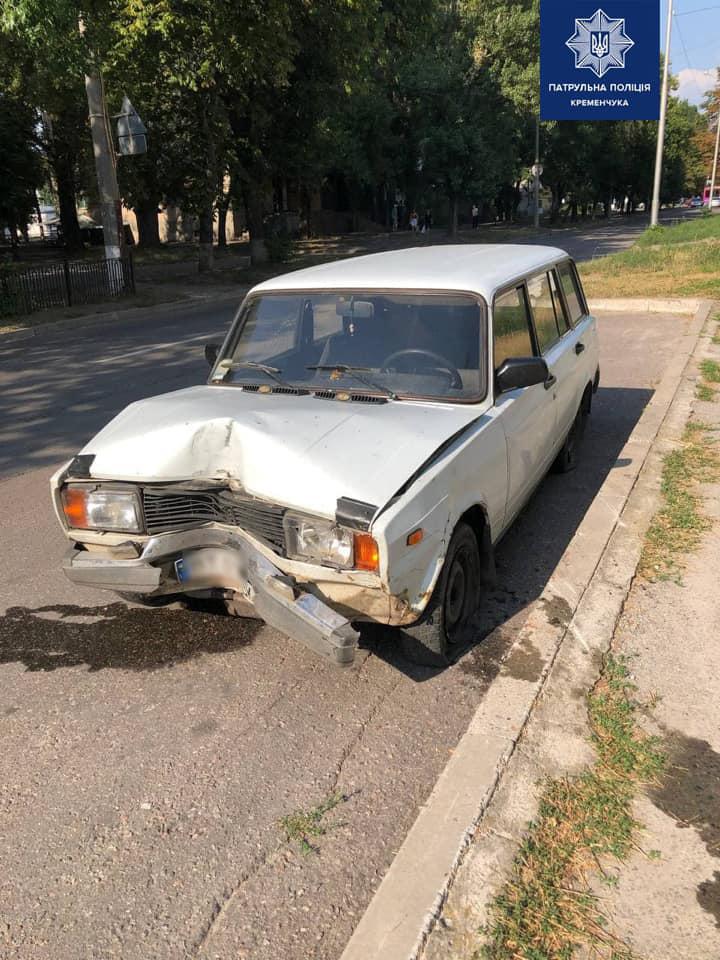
{"x":20,"y":167}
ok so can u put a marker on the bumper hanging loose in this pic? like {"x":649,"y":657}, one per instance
{"x":164,"y":567}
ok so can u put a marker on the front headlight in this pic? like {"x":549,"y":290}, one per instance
{"x":94,"y":508}
{"x":318,"y":541}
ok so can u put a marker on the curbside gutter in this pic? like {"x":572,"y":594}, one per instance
{"x":568,"y":629}
{"x":681,"y":306}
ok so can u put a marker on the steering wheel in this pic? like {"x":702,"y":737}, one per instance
{"x":438,"y":362}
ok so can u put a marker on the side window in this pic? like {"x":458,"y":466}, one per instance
{"x":511,"y":327}
{"x":561,"y":316}
{"x":569,"y":284}
{"x":543,"y":310}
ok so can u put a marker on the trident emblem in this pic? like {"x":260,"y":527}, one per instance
{"x":600,"y":44}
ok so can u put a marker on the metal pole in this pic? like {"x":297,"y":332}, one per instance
{"x":655,"y":210}
{"x":715,"y":162}
{"x":537,"y":172}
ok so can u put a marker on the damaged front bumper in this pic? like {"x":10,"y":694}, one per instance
{"x":274,"y":596}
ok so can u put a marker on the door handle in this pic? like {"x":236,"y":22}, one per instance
{"x":551,"y":381}
{"x":579,"y":347}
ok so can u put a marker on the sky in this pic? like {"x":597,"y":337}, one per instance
{"x":695,"y":45}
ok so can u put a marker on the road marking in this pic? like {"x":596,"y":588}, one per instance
{"x":151,"y":348}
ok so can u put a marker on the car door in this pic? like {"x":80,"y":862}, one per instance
{"x":527,"y":414}
{"x":584,"y":333}
{"x":552,"y":330}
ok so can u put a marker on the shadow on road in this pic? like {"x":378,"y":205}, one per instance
{"x":129,"y":638}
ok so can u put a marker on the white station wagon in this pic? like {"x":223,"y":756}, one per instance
{"x":369,"y":430}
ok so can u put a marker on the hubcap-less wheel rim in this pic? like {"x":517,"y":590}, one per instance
{"x":456,"y":591}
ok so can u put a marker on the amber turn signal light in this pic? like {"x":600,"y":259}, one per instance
{"x":74,"y":500}
{"x":415,"y":537}
{"x":367,"y":556}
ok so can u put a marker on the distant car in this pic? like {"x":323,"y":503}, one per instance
{"x":370,"y":429}
{"x":696,"y":202}
{"x":715,"y":202}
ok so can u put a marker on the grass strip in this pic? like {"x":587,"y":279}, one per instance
{"x":679,"y":523}
{"x":305,"y":826}
{"x":547,"y":910}
{"x":676,"y":261}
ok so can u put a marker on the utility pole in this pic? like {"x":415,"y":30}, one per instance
{"x":104,"y":150}
{"x":537,"y":172}
{"x":655,"y":210}
{"x":715,"y":159}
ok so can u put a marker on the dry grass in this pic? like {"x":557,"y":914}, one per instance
{"x":678,"y":261}
{"x":678,"y":525}
{"x":546,"y":911}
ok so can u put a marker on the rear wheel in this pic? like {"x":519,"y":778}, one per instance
{"x":569,"y":455}
{"x":444,"y":627}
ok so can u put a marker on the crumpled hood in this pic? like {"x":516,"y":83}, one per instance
{"x":299,"y":451}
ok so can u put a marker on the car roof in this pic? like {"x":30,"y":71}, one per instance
{"x":478,"y":267}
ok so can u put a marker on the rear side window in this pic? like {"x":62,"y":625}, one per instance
{"x":569,"y":284}
{"x":511,"y":327}
{"x":543,"y":309}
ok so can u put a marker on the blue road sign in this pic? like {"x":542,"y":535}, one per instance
{"x":599,"y":62}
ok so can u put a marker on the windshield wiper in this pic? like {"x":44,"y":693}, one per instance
{"x":271,"y":372}
{"x":356,"y":372}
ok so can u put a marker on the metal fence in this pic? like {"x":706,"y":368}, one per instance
{"x":65,"y":284}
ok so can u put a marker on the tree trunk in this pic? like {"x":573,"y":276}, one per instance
{"x":254,"y":206}
{"x":205,"y":261}
{"x":222,"y":222}
{"x":453,"y":216}
{"x":148,"y":225}
{"x":65,"y":180}
{"x":238,"y":224}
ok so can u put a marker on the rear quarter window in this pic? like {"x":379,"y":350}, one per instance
{"x":571,"y":288}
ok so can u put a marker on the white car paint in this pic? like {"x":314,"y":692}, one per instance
{"x":421,"y":464}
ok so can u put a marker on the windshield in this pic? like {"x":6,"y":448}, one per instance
{"x":397,"y":345}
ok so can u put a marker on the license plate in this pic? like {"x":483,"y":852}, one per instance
{"x":210,"y":565}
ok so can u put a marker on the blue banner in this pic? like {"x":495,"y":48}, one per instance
{"x":599,"y":62}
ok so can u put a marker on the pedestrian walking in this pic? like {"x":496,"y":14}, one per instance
{"x":414,"y":221}
{"x":427,"y":221}
{"x":475,"y":216}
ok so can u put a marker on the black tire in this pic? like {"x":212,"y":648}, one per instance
{"x":443,"y":630}
{"x":569,"y":455}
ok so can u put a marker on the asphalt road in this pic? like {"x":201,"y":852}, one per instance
{"x":148,"y":756}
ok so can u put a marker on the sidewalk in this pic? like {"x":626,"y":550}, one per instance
{"x":666,"y":905}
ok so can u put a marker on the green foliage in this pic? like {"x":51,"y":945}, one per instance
{"x":431,"y":101}
{"x":305,"y":826}
{"x":20,"y":166}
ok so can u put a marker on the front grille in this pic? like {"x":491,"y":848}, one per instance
{"x":166,"y":511}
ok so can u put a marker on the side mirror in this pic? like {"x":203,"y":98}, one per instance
{"x":211,"y":353}
{"x":520,"y":372}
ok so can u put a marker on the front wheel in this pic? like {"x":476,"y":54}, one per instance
{"x":444,"y":626}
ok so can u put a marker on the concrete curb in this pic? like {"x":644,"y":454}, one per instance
{"x":404,"y":909}
{"x":685,"y":307}
{"x":99,"y":319}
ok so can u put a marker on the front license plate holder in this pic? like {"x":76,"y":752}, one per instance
{"x":214,"y":565}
